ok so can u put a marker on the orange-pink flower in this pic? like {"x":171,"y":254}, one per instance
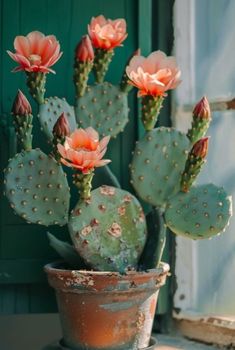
{"x":35,"y":52}
{"x":83,"y":150}
{"x":155,"y":74}
{"x":105,"y":33}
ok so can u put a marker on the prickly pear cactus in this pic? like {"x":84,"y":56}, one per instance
{"x":104,"y":107}
{"x":109,"y":231}
{"x":51,"y":110}
{"x":201,"y":213}
{"x":37,"y":188}
{"x":158,"y":163}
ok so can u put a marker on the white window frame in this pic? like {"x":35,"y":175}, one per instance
{"x":207,"y":328}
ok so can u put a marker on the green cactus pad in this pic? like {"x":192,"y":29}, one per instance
{"x":51,"y":110}
{"x":109,"y":230}
{"x":158,"y":162}
{"x":104,"y":107}
{"x":37,"y":188}
{"x":201,"y":213}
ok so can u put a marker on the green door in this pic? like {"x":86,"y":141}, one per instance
{"x":24,"y":248}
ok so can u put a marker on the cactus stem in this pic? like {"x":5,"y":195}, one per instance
{"x":83,"y":183}
{"x":101,"y":63}
{"x":36,"y":83}
{"x":150,"y":111}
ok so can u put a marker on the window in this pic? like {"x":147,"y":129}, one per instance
{"x":205,"y":270}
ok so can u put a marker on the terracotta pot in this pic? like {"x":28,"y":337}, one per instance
{"x":106,"y":310}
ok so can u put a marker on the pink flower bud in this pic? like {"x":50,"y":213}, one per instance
{"x":200,"y":149}
{"x":21,"y":105}
{"x":61,"y":127}
{"x":84,"y":50}
{"x":202,"y":109}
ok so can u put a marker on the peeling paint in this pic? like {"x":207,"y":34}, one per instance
{"x":117,"y":306}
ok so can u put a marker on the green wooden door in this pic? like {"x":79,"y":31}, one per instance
{"x":24,"y":248}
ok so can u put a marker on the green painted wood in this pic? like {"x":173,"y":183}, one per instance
{"x":22,"y":271}
{"x":162,"y":39}
{"x":24,"y":248}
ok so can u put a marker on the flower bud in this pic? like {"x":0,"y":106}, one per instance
{"x":202,"y":109}
{"x":84,"y":51}
{"x":136,"y":53}
{"x":200,"y":149}
{"x":61,"y":127}
{"x":21,"y":105}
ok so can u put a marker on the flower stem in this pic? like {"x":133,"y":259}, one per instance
{"x":193,"y":167}
{"x":36,"y":82}
{"x":150,"y":110}
{"x":101,"y":63}
{"x":83,"y":183}
{"x":23,"y":127}
{"x":80,"y":77}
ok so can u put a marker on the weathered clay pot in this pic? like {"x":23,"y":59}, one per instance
{"x":106,"y":310}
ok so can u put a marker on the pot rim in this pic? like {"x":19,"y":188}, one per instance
{"x":53,"y":268}
{"x":80,"y":281}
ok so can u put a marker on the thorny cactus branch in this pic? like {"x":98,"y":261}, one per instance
{"x":36,"y":82}
{"x":101,"y":63}
{"x":83,"y":183}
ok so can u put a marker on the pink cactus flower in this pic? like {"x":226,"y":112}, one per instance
{"x":106,"y":33}
{"x":84,"y":51}
{"x":21,"y":105}
{"x":61,"y":127}
{"x":200,"y":148}
{"x":202,"y":109}
{"x":83,"y":150}
{"x":35,"y":52}
{"x":153,"y":75}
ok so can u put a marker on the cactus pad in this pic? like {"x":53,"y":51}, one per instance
{"x":51,"y":110}
{"x":158,"y":163}
{"x":37,"y":188}
{"x":109,"y":230}
{"x":104,"y":107}
{"x":201,"y":213}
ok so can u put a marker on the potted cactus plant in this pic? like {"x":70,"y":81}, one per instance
{"x":108,"y":282}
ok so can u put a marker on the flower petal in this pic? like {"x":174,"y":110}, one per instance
{"x":22,"y":45}
{"x":34,"y":40}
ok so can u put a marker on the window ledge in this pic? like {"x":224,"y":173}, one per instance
{"x":166,"y":342}
{"x":210,"y":329}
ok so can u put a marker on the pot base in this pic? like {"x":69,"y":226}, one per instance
{"x":59,"y":346}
